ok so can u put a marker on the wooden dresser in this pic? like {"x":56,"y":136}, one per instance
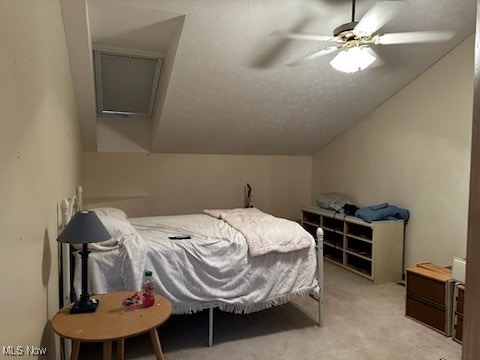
{"x":429,"y":296}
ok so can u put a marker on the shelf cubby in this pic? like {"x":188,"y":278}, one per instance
{"x":333,"y":238}
{"x":333,"y":254}
{"x":311,"y":228}
{"x":373,"y":250}
{"x":359,"y":264}
{"x":333,"y":224}
{"x":359,"y":247}
{"x":311,"y":218}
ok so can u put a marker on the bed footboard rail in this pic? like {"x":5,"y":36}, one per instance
{"x":320,"y":285}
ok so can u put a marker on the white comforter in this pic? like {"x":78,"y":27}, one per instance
{"x":212,"y":268}
{"x":264,"y":232}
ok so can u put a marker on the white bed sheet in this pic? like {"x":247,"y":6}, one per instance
{"x":212,"y":269}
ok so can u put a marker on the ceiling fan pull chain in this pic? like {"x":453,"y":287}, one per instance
{"x":353,"y":10}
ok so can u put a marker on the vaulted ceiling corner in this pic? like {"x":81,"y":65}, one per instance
{"x":125,"y":29}
{"x":224,"y":88}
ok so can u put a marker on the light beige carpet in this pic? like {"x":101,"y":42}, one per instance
{"x":362,"y":322}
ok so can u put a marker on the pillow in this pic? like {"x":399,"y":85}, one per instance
{"x":334,"y":201}
{"x":118,"y":228}
{"x":110,"y":211}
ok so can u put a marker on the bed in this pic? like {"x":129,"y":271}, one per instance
{"x":236,"y":260}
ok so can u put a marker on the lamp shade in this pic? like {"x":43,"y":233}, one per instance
{"x":85,"y":227}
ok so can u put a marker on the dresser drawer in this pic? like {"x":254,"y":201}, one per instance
{"x":427,"y":313}
{"x":426,"y":287}
{"x":458,"y":329}
{"x":460,"y":298}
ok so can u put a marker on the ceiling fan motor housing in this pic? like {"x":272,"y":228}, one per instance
{"x":345,"y":28}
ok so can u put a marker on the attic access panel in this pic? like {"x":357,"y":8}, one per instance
{"x":126,"y":84}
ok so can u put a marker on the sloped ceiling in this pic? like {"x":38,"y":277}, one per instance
{"x":225,"y":88}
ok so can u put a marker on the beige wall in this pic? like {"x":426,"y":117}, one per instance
{"x":180,"y":183}
{"x":40,"y":164}
{"x":413,"y":152}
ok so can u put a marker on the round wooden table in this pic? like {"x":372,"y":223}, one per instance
{"x":113,"y":321}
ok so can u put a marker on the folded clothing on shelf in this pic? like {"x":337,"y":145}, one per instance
{"x":383,"y":211}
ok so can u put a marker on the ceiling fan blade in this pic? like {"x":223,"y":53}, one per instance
{"x":378,"y":15}
{"x":314,"y":55}
{"x":413,"y":37}
{"x":378,"y":60}
{"x":300,"y":35}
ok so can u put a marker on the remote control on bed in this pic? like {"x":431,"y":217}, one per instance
{"x":179,"y":237}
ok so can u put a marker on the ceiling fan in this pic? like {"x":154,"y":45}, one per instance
{"x":353,"y":40}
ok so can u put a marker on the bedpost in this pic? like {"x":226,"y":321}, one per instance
{"x":79,"y":193}
{"x":65,"y":210}
{"x":320,"y":275}
{"x":210,"y":327}
{"x":65,"y":254}
{"x":68,"y":208}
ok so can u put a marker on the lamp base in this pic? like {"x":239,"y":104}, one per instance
{"x":81,"y":307}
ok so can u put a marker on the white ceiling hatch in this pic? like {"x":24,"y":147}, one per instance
{"x":224,"y":87}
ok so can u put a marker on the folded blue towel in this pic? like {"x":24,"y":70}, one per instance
{"x":382,"y":212}
{"x":379,"y":206}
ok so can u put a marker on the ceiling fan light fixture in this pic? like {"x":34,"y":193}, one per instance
{"x":352,"y":60}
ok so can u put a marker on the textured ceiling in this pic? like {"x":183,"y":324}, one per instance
{"x":229,"y":90}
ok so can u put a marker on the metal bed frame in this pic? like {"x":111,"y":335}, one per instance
{"x":69,"y":206}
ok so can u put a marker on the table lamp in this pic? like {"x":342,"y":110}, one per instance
{"x":85,"y":227}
